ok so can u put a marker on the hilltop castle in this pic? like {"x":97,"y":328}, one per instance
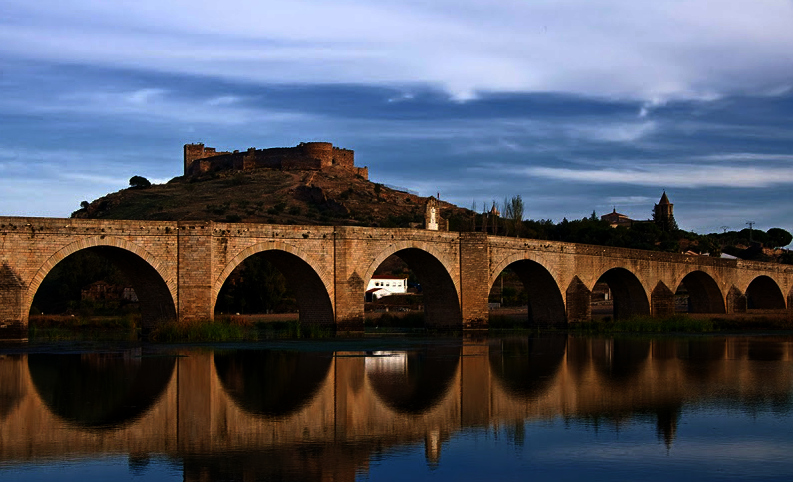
{"x":313,"y":156}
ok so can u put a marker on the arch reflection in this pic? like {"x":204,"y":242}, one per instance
{"x":619,"y":359}
{"x":272,"y":383}
{"x":525,"y":366}
{"x":12,"y":390}
{"x":97,"y":390}
{"x":412,"y":382}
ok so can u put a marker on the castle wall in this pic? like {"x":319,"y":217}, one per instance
{"x":305,"y":156}
{"x":322,"y":151}
{"x":193,"y":152}
{"x":343,"y":157}
{"x":363,"y":172}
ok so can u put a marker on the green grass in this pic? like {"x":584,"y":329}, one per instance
{"x":220,"y":330}
{"x":233,"y":329}
{"x":646,"y":324}
{"x":293,"y":329}
{"x":389,"y":320}
{"x":62,"y":328}
{"x":224,"y":328}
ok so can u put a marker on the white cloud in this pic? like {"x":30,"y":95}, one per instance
{"x":618,"y":48}
{"x":671,"y":176}
{"x":746,"y":156}
{"x":150,"y":104}
{"x":144,"y":96}
{"x":597,"y":130}
{"x":95,"y":179}
{"x":630,"y":200}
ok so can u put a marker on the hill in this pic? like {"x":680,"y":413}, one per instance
{"x":274,"y":196}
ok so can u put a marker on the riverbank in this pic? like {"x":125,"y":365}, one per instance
{"x":288,"y":326}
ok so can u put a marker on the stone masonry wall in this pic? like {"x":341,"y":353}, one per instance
{"x":199,"y":159}
{"x":180,"y":267}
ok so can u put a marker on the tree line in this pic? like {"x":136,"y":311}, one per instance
{"x":506,"y":219}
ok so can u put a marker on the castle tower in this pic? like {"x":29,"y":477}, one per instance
{"x":663,"y":214}
{"x":191,"y":153}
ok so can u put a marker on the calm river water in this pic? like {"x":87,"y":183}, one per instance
{"x":528,"y":407}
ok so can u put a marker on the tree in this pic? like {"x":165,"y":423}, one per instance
{"x":507,"y":215}
{"x":139,"y":182}
{"x":516,"y":213}
{"x":778,"y":237}
{"x":473,"y":215}
{"x":484,"y":217}
{"x":84,"y":205}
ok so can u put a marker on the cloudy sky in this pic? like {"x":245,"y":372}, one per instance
{"x":576,"y":105}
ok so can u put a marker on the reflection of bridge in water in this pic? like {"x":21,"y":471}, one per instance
{"x":343,"y":407}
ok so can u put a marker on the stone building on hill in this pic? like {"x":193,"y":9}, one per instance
{"x":616,"y":219}
{"x":314,"y":156}
{"x":663,"y":216}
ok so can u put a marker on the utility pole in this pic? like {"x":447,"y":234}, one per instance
{"x":750,"y":223}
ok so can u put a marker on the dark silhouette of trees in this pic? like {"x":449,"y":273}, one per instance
{"x":139,"y":182}
{"x":778,"y":237}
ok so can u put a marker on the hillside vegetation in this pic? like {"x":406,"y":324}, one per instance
{"x":269,"y":196}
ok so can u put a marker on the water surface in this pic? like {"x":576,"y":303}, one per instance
{"x":541,"y":407}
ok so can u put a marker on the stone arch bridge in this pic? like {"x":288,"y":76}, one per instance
{"x":178,"y":268}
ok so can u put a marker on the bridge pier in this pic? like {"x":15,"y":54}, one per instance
{"x":579,"y":301}
{"x":349,"y":286}
{"x":736,"y":301}
{"x":13,"y":317}
{"x":474,"y":280}
{"x":663,"y":301}
{"x":194,"y":299}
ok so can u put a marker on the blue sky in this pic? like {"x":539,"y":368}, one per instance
{"x":575,"y":105}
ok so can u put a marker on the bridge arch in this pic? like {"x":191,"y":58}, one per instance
{"x":628,"y":293}
{"x":546,"y":303}
{"x":154,"y":285}
{"x":704,"y":294}
{"x":312,"y":284}
{"x":763,"y":293}
{"x":441,"y":289}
